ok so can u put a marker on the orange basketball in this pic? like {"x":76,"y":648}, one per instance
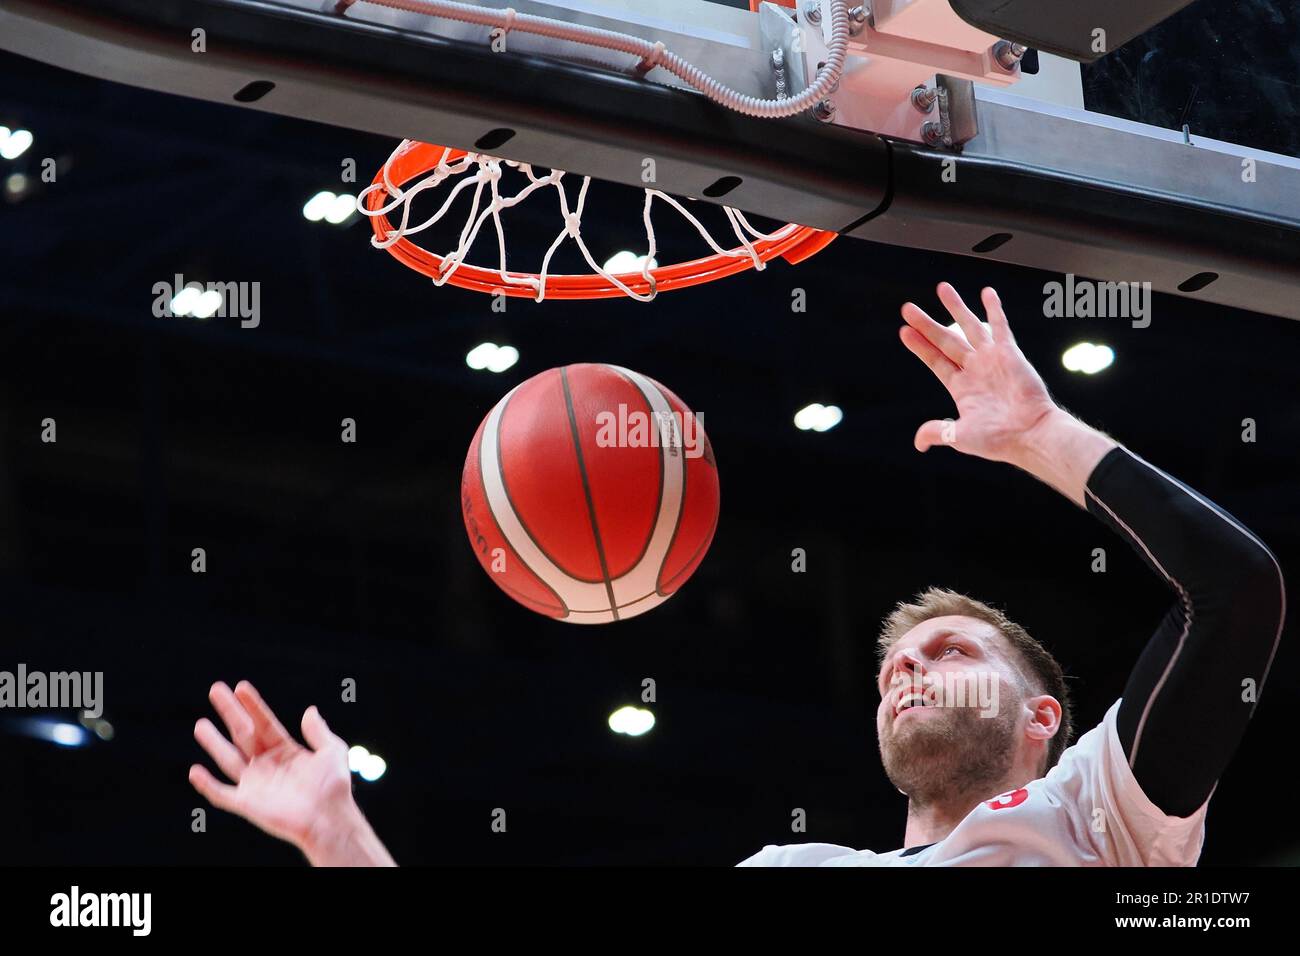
{"x":590,"y":493}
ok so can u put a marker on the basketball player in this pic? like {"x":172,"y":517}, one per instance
{"x":990,"y":777}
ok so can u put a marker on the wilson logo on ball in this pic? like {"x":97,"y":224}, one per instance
{"x":590,"y":493}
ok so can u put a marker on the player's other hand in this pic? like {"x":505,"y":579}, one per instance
{"x":999,"y":396}
{"x":292,"y":792}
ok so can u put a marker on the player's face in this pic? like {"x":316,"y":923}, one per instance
{"x":948,"y":705}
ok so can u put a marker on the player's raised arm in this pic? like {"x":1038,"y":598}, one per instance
{"x":1197,"y":682}
{"x":301,"y":795}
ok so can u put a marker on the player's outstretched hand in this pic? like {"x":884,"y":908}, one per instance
{"x":999,"y":396}
{"x":292,"y":792}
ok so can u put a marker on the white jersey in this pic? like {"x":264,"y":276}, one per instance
{"x":1088,"y":811}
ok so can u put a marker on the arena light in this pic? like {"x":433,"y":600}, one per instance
{"x":316,"y":208}
{"x":631,"y":721}
{"x":373,"y":768}
{"x":341,"y":209}
{"x":356,"y":757}
{"x":626,"y":261}
{"x":195,"y":301}
{"x":13,"y":143}
{"x":17,"y":186}
{"x":187,"y":300}
{"x":488,"y":356}
{"x":207,"y":304}
{"x":328,"y":207}
{"x":506,"y":356}
{"x":369,"y":767}
{"x":818,"y":417}
{"x":1088,"y":358}
{"x":60,"y":732}
{"x":68,"y":735}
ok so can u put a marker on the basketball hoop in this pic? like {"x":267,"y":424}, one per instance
{"x":425,"y":166}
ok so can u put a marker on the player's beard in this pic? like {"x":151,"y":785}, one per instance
{"x":953,"y":752}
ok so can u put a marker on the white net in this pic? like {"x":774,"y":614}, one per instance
{"x":482,"y":174}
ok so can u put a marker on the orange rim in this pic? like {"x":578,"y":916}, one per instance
{"x":420,"y":158}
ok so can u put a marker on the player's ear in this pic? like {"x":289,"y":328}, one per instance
{"x":1045,"y":717}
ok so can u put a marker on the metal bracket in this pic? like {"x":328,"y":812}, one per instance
{"x":779,"y":31}
{"x":957,"y":107}
{"x":957,"y":121}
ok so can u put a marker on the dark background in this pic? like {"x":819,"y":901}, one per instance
{"x":330,"y":561}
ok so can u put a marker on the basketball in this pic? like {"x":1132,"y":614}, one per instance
{"x":590,"y":493}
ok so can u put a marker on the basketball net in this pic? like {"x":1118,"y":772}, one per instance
{"x":415,"y":168}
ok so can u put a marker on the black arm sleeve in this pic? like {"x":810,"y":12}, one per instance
{"x":1186,"y":706}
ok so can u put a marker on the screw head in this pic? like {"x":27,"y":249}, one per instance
{"x":824,"y":111}
{"x":932,"y":133}
{"x":1007,"y":54}
{"x":813,"y":12}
